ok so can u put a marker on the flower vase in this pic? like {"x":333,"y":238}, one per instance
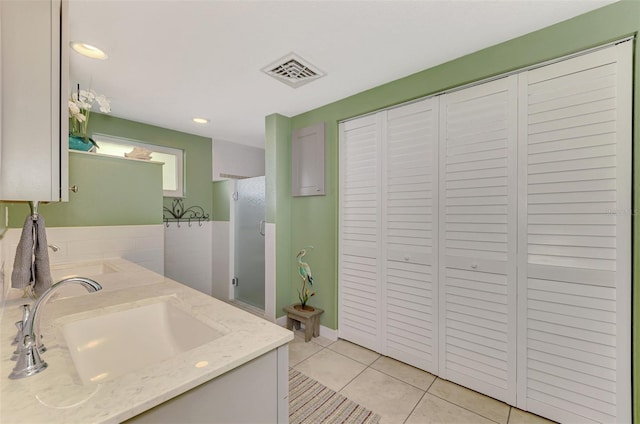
{"x":79,"y":143}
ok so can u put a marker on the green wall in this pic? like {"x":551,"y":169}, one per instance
{"x":278,"y":203}
{"x":197,"y":153}
{"x":221,"y":198}
{"x":132,"y":199}
{"x":314,"y":219}
{"x":2,"y":220}
{"x":111,"y":191}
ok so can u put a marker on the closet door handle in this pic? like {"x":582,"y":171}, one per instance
{"x":261,"y":227}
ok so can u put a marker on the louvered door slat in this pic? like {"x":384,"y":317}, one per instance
{"x":573,"y":247}
{"x":359,"y":315}
{"x":478,"y":222}
{"x":409,"y":183}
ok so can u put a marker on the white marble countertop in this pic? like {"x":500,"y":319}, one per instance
{"x":57,"y":394}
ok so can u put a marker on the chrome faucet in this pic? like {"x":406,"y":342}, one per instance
{"x":53,"y":247}
{"x":29,"y":361}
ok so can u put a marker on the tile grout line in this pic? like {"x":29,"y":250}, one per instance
{"x":467,"y":409}
{"x":414,"y":407}
{"x":401,"y":381}
{"x":369,"y":366}
{"x":421,"y":398}
{"x":381,"y":372}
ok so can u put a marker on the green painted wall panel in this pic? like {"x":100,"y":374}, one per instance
{"x":314,"y":220}
{"x":221,"y":200}
{"x":278,"y":203}
{"x":3,"y":227}
{"x":112,"y":191}
{"x":197,"y":153}
{"x":197,"y":164}
{"x":309,"y":223}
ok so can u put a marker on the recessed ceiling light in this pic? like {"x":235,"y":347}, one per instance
{"x":88,"y":50}
{"x":201,"y":120}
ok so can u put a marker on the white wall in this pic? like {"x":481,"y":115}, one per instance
{"x":236,"y":159}
{"x":187,"y":254}
{"x":221,"y":269}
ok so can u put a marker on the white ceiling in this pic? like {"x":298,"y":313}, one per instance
{"x":170,"y":61}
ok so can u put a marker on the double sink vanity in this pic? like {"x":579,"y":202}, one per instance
{"x":146,"y":349}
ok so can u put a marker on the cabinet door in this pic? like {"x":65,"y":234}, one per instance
{"x":478,"y":237}
{"x":307,"y":161}
{"x":410,"y":233}
{"x":359,"y":242}
{"x":34,"y":45}
{"x":574,"y":234}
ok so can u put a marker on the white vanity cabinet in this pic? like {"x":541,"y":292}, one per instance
{"x":34,"y":88}
{"x":253,"y":393}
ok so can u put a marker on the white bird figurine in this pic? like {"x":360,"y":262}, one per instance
{"x":303,"y":268}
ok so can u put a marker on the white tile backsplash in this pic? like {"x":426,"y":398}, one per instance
{"x":187,"y":254}
{"x":142,"y":244}
{"x":221,"y":268}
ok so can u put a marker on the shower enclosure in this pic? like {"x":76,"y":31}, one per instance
{"x":249,"y":227}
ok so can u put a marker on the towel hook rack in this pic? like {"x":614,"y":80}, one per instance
{"x":178,"y":213}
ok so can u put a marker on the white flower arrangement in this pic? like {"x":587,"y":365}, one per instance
{"x":80,"y":104}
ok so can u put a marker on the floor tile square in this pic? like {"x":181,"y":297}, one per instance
{"x":330,"y":368}
{"x":299,"y":350}
{"x":392,"y":399}
{"x":355,"y":352}
{"x":518,"y":416}
{"x":473,"y":401}
{"x":411,"y":375}
{"x":322,"y":341}
{"x":432,"y":409}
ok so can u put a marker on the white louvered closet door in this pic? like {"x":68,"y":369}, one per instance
{"x":410,"y":176}
{"x":359,"y":317}
{"x":478,"y":188}
{"x":574,"y":364}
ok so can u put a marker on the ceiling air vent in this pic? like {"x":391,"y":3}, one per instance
{"x":293,"y":71}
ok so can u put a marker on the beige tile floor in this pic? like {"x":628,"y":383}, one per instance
{"x":398,"y":392}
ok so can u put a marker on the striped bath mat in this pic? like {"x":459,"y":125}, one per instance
{"x":311,"y":402}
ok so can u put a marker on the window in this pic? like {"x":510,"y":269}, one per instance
{"x":172,"y":159}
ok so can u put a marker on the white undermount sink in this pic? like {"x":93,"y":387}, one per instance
{"x":82,"y":269}
{"x":110,"y":345}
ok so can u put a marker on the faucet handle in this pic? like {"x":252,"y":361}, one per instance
{"x":29,"y":362}
{"x":26,"y":311}
{"x":16,"y":339}
{"x":20,"y":324}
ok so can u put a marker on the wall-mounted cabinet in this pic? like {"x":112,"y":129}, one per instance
{"x":34,"y":75}
{"x":307,"y":161}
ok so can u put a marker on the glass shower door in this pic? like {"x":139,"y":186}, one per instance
{"x":249,"y":241}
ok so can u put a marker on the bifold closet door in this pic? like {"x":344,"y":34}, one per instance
{"x":359,"y":316}
{"x":478,"y":184}
{"x":410,"y":233}
{"x":574,"y":362}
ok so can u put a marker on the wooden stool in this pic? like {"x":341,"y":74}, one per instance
{"x":310,"y":319}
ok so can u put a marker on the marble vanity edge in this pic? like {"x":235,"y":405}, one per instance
{"x":135,"y":393}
